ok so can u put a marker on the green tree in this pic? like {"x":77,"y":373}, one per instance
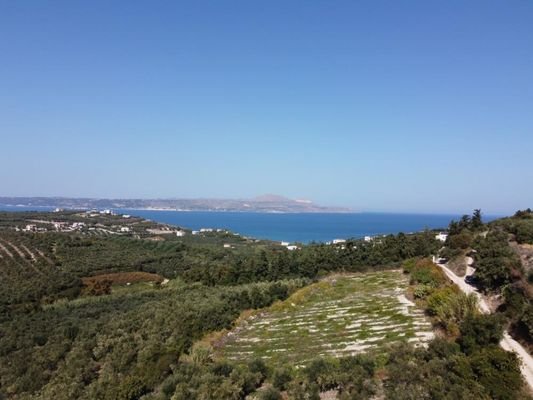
{"x":498,"y":371}
{"x":476,"y":222}
{"x":478,"y":331}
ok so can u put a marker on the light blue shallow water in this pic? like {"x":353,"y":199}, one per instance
{"x":304,"y":228}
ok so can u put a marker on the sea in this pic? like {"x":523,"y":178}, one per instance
{"x":301,"y":227}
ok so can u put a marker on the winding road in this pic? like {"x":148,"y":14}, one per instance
{"x":507,"y":343}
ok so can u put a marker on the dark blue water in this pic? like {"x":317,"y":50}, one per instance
{"x":292,"y":227}
{"x":304,"y":228}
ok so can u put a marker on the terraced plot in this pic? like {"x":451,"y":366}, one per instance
{"x":341,"y":315}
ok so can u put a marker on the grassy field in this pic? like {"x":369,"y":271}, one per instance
{"x":340,"y":315}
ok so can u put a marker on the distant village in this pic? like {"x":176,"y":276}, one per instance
{"x":63,"y":226}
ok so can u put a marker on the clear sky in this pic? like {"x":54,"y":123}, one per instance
{"x":377,"y":105}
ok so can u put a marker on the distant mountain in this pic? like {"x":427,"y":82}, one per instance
{"x":265,"y":203}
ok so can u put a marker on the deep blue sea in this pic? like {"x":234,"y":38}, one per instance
{"x":306,"y":227}
{"x":294,"y":227}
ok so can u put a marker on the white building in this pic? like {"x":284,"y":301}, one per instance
{"x":285,"y":243}
{"x":124,"y":229}
{"x":195,"y":232}
{"x":203,"y":230}
{"x":338,"y":241}
{"x":227,"y":246}
{"x":30,"y":228}
{"x":126,"y":216}
{"x":60,"y":225}
{"x":292,"y":247}
{"x":442,"y":236}
{"x":180,"y":233}
{"x":368,"y":238}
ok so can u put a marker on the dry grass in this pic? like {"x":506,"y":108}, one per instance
{"x":122,"y":278}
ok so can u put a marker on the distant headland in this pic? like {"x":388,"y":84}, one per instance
{"x":268,"y":203}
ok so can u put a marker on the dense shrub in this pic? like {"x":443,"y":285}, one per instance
{"x":424,"y":272}
{"x":269,"y":393}
{"x":498,"y":371}
{"x":461,"y":241}
{"x":100,"y":341}
{"x":495,"y":261}
{"x":281,"y":377}
{"x":478,"y":331}
{"x":451,"y":307}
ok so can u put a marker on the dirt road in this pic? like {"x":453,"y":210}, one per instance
{"x":507,"y":343}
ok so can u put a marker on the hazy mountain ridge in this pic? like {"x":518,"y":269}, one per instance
{"x":264,"y":203}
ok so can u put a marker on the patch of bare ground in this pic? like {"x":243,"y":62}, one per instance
{"x":459,"y":264}
{"x":525,"y":252}
{"x":154,"y":238}
{"x":329,"y":395}
{"x":122,"y":278}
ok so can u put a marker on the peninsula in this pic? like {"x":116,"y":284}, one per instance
{"x":266,"y":203}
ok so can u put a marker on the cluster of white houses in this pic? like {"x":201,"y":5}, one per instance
{"x":208,"y":230}
{"x":97,"y":213}
{"x":289,"y":246}
{"x":58,"y":226}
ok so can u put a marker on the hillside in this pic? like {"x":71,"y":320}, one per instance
{"x":501,"y":264}
{"x":94,"y":305}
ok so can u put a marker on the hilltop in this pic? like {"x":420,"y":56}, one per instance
{"x":266,"y":203}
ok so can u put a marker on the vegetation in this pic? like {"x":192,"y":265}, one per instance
{"x":496,"y":263}
{"x":341,"y":315}
{"x":445,"y":370}
{"x":83,"y":348}
{"x":72,"y":328}
{"x":498,"y":268}
{"x":520,"y":225}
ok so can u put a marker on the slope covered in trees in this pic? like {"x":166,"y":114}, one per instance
{"x":499,"y":271}
{"x":61,"y":339}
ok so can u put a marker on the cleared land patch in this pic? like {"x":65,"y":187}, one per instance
{"x":338,"y":316}
{"x":122,"y":278}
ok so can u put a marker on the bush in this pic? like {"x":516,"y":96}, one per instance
{"x":439,"y":298}
{"x":496,"y":262}
{"x":408,"y":265}
{"x":281,"y":377}
{"x":527,"y":319}
{"x":323,"y":372}
{"x":421,"y":291}
{"x":258,"y":366}
{"x":303,"y":391}
{"x":461,"y":241}
{"x":498,"y":371}
{"x":270,"y":393}
{"x":356,"y":377}
{"x":524,"y":232}
{"x":452,"y":307}
{"x":424,"y":272}
{"x":479,"y":331}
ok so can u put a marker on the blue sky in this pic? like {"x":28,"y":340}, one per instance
{"x":377,"y":105}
